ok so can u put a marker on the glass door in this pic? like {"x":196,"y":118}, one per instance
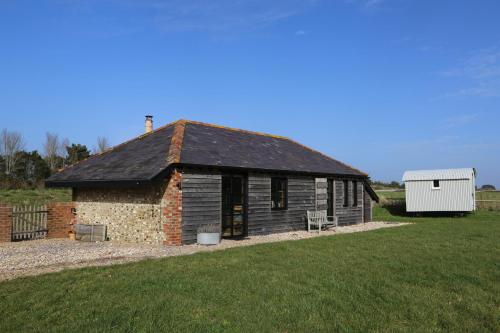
{"x":233,"y":206}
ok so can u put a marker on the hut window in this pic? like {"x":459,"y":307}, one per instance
{"x":346,"y":193}
{"x":435,"y":184}
{"x":354,"y":194}
{"x":279,"y":197}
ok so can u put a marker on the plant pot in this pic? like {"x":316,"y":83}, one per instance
{"x":208,"y":238}
{"x":71,"y":235}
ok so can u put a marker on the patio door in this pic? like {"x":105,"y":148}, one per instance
{"x":233,"y":206}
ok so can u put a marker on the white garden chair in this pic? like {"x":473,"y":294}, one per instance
{"x":319,"y":219}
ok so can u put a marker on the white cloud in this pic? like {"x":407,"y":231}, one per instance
{"x":300,"y":32}
{"x":367,"y":4}
{"x":480,"y":71}
{"x":460,"y":120}
{"x":221,"y":15}
{"x":373,"y":3}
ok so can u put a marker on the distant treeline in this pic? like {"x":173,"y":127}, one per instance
{"x":386,"y":185}
{"x":28,"y":169}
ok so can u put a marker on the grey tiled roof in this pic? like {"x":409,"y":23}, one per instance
{"x":145,"y":157}
{"x":218,"y":146}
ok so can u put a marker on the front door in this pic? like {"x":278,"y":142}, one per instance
{"x":233,"y":206}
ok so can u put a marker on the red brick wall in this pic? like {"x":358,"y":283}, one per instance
{"x":172,"y":210}
{"x":60,"y":219}
{"x":5,"y":222}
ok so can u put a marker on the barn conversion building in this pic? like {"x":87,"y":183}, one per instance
{"x":165,"y":184}
{"x":447,"y":190}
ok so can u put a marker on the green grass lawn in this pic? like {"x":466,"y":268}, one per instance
{"x":34,"y":197}
{"x":439,"y":274}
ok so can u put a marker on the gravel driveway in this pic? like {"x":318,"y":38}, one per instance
{"x":51,"y":255}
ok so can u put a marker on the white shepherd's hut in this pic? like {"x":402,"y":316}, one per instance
{"x":447,"y":190}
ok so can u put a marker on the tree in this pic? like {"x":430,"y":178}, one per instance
{"x":2,"y":166}
{"x":76,"y":153}
{"x":10,"y":144}
{"x":488,"y":187}
{"x":31,"y":168}
{"x":52,"y":147}
{"x":63,"y":152}
{"x":102,"y":145}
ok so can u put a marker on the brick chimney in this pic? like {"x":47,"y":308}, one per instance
{"x":148,"y":124}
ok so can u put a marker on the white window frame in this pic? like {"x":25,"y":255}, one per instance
{"x":434,"y":187}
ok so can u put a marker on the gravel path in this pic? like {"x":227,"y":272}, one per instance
{"x":51,"y":255}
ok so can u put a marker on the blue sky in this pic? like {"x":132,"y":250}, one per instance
{"x":384,"y":85}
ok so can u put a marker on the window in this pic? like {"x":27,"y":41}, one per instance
{"x":354,"y":194}
{"x":279,"y":193}
{"x":330,"y":202}
{"x":346,"y":193}
{"x":435,"y":184}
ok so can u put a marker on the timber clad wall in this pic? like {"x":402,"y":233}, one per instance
{"x":349,"y":214}
{"x":367,"y":206}
{"x":172,"y":212}
{"x":321,"y":194}
{"x":202,"y":202}
{"x":263,"y":220}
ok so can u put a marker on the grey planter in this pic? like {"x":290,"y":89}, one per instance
{"x":208,"y":238}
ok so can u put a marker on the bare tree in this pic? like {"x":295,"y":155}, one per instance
{"x":63,"y":152}
{"x":102,"y":144}
{"x":10,"y":144}
{"x":51,"y":148}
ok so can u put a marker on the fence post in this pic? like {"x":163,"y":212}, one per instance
{"x":60,"y":219}
{"x":5,"y":222}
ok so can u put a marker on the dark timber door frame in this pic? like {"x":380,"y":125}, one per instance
{"x":330,"y":192}
{"x":234,"y":206}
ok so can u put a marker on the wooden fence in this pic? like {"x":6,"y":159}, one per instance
{"x":29,"y":222}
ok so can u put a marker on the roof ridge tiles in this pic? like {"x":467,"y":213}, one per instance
{"x":234,"y":129}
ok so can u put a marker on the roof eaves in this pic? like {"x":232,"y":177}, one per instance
{"x":329,"y":157}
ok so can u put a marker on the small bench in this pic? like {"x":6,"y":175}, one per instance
{"x":319,"y":219}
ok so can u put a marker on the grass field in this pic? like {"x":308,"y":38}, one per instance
{"x":34,"y":197}
{"x":439,"y":274}
{"x":488,"y":195}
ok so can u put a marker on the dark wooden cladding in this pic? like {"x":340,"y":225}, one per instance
{"x":348,"y":214}
{"x":263,"y":220}
{"x":367,"y":206}
{"x":201,"y":202}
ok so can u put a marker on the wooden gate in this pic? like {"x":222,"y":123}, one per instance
{"x":29,"y":222}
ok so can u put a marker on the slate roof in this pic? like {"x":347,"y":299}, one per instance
{"x":193,"y":143}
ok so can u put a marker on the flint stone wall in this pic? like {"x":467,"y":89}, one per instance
{"x":131,"y":215}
